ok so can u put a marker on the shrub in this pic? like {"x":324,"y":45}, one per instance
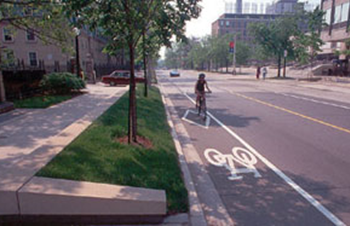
{"x":62,"y":83}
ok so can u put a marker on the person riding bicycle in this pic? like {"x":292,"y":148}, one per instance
{"x":200,"y":89}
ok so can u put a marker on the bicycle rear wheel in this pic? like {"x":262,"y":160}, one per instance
{"x":200,"y":107}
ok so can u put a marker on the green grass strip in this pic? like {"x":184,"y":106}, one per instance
{"x":95,"y":156}
{"x":41,"y":101}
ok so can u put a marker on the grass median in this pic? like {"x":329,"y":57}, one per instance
{"x":96,"y":156}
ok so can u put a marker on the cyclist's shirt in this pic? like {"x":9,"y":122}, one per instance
{"x":200,"y":85}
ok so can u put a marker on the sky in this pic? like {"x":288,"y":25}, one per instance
{"x":211,"y":10}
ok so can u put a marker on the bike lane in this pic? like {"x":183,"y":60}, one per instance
{"x":253,"y":194}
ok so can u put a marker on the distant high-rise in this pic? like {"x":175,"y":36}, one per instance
{"x":244,"y":7}
{"x":239,"y":6}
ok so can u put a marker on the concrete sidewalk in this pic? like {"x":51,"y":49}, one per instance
{"x":28,"y":142}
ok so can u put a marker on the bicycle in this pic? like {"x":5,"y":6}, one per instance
{"x":202,"y":106}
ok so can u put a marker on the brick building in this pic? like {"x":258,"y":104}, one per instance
{"x":338,"y":21}
{"x":24,"y":48}
{"x":239,"y":23}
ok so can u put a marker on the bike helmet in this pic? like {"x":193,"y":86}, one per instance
{"x":201,"y":75}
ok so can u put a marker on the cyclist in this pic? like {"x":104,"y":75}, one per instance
{"x":200,"y":89}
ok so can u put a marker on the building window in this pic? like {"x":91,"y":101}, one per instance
{"x":221,"y":23}
{"x":30,"y":35}
{"x":9,"y":57}
{"x":33,"y":61}
{"x":227,"y":23}
{"x":8,"y":36}
{"x":344,"y":12}
{"x":337,"y":14}
{"x":328,"y":16}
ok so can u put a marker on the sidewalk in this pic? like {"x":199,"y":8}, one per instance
{"x":29,"y":141}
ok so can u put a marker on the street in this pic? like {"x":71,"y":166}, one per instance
{"x":277,"y":152}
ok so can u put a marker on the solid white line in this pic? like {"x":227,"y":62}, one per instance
{"x":207,"y":122}
{"x":289,"y":181}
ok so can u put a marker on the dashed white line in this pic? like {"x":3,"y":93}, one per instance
{"x":315,"y":101}
{"x":335,"y":220}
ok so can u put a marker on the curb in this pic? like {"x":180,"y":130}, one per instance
{"x":196,"y":212}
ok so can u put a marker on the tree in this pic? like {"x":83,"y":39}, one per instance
{"x":276,"y":38}
{"x":200,"y":52}
{"x":43,"y":18}
{"x":307,"y":45}
{"x":124,"y":22}
{"x":285,"y":34}
{"x":242,"y":53}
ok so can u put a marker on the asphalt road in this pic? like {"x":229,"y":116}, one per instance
{"x":278,"y":153}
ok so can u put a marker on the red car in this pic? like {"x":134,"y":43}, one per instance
{"x":120,"y":78}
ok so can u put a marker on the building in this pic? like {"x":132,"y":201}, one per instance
{"x":248,"y":7}
{"x":239,"y":23}
{"x":282,"y":7}
{"x":336,"y":32}
{"x":23,"y":48}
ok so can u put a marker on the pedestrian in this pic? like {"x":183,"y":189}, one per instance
{"x":264,"y":71}
{"x":258,"y":72}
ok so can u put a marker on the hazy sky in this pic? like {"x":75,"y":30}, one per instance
{"x":211,"y":10}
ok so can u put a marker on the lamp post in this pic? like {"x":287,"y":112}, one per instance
{"x":77,"y":33}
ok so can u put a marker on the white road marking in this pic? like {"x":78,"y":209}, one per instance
{"x":335,"y":220}
{"x":239,"y":155}
{"x":207,"y":121}
{"x":315,"y":101}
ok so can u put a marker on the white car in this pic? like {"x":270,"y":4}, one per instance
{"x":174,"y":73}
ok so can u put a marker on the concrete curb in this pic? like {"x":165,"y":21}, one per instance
{"x":196,"y":212}
{"x":47,"y":196}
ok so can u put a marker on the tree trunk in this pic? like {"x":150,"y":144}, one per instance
{"x":145,"y":62}
{"x":132,"y":126}
{"x":226,"y":66}
{"x":2,"y":86}
{"x":279,"y":66}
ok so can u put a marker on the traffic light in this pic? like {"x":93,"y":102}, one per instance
{"x":232,"y":47}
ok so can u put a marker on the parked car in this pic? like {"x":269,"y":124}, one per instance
{"x":174,"y":73}
{"x":120,"y":78}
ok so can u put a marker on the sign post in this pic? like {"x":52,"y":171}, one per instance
{"x":232,"y":50}
{"x":285,"y":54}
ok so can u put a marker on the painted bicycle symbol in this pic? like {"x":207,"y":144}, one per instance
{"x":239,"y":155}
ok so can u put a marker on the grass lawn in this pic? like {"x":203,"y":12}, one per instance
{"x":95,"y":155}
{"x":281,"y":78}
{"x":41,"y":101}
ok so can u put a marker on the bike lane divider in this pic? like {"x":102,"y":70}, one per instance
{"x":279,"y":199}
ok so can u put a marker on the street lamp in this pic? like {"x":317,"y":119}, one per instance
{"x":77,"y":33}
